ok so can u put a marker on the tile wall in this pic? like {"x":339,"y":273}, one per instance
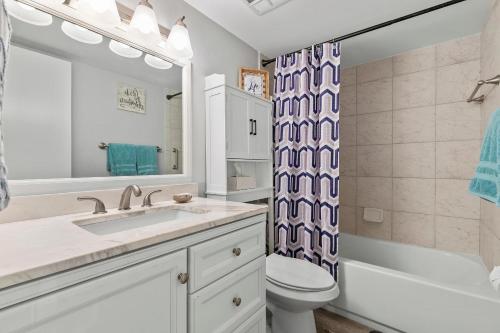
{"x":410,"y":144}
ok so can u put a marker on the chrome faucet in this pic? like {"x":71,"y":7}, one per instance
{"x":127,"y":193}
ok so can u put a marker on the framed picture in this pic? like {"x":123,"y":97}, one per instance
{"x":255,"y":81}
{"x":131,"y":99}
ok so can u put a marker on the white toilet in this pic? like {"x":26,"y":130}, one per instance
{"x":294,"y":289}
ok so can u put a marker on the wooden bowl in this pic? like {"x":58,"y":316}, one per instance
{"x":183,"y":197}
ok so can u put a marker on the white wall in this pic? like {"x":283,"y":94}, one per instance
{"x":37,"y":116}
{"x":215,"y":51}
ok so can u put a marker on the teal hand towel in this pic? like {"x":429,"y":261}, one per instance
{"x":147,"y":160}
{"x":485,"y":183}
{"x":122,"y":159}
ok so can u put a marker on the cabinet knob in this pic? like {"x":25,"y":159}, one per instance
{"x":237,"y":251}
{"x":183,"y":278}
{"x":237,"y":301}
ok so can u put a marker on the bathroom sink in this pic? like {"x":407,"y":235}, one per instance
{"x":133,"y":220}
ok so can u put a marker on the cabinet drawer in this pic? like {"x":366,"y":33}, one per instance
{"x":255,"y":324}
{"x":226,"y":304}
{"x":215,"y":258}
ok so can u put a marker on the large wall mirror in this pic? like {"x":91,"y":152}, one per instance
{"x":76,"y":110}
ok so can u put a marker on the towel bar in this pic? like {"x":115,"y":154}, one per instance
{"x":480,"y":99}
{"x":103,"y":145}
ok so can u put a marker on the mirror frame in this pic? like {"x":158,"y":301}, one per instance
{"x":64,"y":185}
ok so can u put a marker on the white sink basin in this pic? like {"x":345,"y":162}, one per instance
{"x":104,"y":226}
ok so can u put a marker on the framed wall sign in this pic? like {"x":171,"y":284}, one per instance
{"x":131,"y":99}
{"x":255,"y":81}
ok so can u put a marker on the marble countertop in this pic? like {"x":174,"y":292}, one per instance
{"x":35,"y":248}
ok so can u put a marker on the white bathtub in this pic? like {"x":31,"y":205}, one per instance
{"x":413,"y":289}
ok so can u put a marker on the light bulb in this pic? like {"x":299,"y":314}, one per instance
{"x":156,"y":62}
{"x":27,"y":13}
{"x":80,"y":34}
{"x":124,"y":50}
{"x":144,"y":22}
{"x":104,"y":10}
{"x":178,"y":41}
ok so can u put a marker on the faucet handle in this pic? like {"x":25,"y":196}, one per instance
{"x":147,"y":199}
{"x":99,"y":205}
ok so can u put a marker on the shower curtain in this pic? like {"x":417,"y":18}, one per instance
{"x":5,"y":33}
{"x":306,"y":155}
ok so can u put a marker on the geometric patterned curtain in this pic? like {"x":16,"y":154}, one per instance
{"x":5,"y":34}
{"x":306,"y":155}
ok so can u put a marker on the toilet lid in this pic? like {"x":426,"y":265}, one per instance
{"x":297,"y":274}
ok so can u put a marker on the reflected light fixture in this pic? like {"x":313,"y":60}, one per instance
{"x":144,"y":22}
{"x":178,"y":40}
{"x":80,"y":34}
{"x":156,"y":62}
{"x":27,"y":13}
{"x":124,"y":50}
{"x":103,"y":10}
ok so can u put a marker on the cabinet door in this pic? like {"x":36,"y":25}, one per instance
{"x":143,"y":298}
{"x":238,"y":125}
{"x":260,"y":141}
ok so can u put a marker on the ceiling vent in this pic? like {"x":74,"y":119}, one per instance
{"x":261,"y":7}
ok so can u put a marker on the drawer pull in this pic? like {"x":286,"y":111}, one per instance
{"x":237,"y":251}
{"x":237,"y":301}
{"x":183,"y":278}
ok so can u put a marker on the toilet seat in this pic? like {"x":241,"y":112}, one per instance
{"x":297,"y":275}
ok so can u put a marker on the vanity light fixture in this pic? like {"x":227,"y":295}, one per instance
{"x":80,"y":34}
{"x":124,"y":50}
{"x":27,"y":13}
{"x":156,"y":62}
{"x":104,"y":10}
{"x":144,"y":22}
{"x":178,"y":40}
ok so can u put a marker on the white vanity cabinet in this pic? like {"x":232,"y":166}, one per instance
{"x":144,"y":291}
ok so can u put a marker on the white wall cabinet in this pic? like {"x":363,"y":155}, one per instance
{"x":142,"y":292}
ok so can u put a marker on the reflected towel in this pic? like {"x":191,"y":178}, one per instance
{"x":485,"y":183}
{"x":122,"y":159}
{"x":147,"y":160}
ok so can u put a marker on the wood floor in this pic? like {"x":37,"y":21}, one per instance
{"x":327,"y":322}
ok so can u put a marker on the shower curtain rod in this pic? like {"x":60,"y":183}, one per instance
{"x":378,"y":26}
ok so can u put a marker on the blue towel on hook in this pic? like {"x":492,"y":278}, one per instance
{"x":147,"y":160}
{"x":122,"y":159}
{"x":486,"y":183}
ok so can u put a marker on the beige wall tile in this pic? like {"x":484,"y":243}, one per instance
{"x":415,"y":125}
{"x":347,"y":220}
{"x":415,"y":61}
{"x":348,"y":187}
{"x":348,"y":161}
{"x":457,"y":159}
{"x":348,"y":76}
{"x":348,"y":100}
{"x":453,"y":199}
{"x":415,"y":160}
{"x":414,"y":90}
{"x":374,"y":70}
{"x":410,"y":228}
{"x":414,"y":195}
{"x":457,"y":234}
{"x":459,"y":50}
{"x":455,"y":83}
{"x":374,"y":230}
{"x":374,"y":96}
{"x":486,"y":246}
{"x":348,"y":131}
{"x":458,"y":121}
{"x":374,"y":192}
{"x":375,"y":129}
{"x":375,"y":161}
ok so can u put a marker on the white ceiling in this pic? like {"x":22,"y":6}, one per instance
{"x":300,"y":23}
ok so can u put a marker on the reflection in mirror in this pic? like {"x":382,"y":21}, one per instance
{"x":63,"y":98}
